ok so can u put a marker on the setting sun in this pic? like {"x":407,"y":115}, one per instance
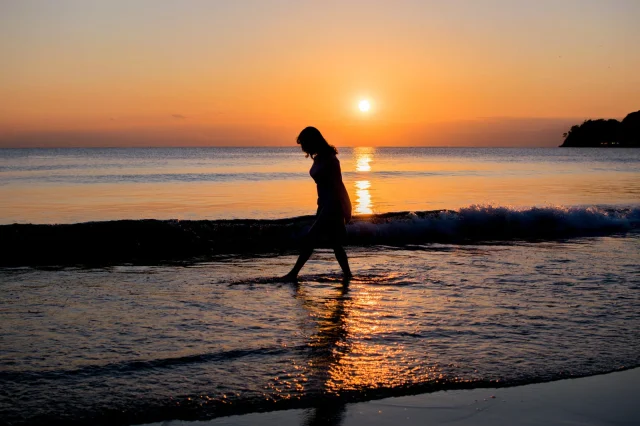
{"x":364,"y":105}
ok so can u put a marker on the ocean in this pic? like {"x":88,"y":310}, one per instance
{"x":80,"y":185}
{"x":145,"y":290}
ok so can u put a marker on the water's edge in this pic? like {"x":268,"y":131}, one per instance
{"x":202,"y":409}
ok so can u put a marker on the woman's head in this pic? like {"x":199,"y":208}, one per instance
{"x":313,"y":143}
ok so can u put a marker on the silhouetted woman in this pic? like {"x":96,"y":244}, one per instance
{"x":334,"y":206}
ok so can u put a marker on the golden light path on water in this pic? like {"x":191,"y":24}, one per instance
{"x":363,"y":157}
{"x":363,"y":201}
{"x":344,"y":354}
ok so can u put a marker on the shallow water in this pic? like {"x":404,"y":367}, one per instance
{"x":131,"y":344}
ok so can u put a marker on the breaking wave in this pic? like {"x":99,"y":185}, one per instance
{"x":149,"y":241}
{"x":486,"y":222}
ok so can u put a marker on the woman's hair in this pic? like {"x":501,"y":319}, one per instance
{"x":313,"y":143}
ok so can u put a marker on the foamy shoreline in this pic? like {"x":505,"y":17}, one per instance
{"x":596,"y":400}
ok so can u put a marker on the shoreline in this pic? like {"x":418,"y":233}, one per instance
{"x":603,"y":399}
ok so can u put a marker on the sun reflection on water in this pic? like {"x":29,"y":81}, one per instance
{"x":344,"y":356}
{"x":363,"y":160}
{"x":363,"y":157}
{"x":363,"y":202}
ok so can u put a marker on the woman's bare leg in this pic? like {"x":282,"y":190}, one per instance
{"x":341,"y":256}
{"x":305,"y":254}
{"x":307,"y":250}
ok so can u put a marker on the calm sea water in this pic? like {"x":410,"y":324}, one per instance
{"x":79,"y":185}
{"x":129,"y":344}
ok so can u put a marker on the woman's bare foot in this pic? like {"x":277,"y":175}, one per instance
{"x":290,"y":277}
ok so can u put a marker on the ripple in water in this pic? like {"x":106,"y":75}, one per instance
{"x":132,"y":344}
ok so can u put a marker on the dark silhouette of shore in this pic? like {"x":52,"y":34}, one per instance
{"x":605,"y":133}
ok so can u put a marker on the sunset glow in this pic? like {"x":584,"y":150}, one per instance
{"x":227,"y":73}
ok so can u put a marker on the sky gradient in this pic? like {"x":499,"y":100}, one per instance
{"x":193,"y":73}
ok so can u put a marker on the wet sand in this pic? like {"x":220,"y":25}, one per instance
{"x":609,"y":399}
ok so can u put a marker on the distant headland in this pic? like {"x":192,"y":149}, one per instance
{"x":605,"y":133}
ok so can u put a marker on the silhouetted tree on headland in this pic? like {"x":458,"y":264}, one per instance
{"x":605,"y":133}
{"x":631,"y":129}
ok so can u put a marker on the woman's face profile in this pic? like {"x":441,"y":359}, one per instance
{"x":305,"y":145}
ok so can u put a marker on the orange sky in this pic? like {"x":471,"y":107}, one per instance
{"x":145,"y":73}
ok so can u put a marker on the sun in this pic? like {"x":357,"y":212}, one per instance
{"x":364,"y":105}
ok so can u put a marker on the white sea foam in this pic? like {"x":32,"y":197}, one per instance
{"x":497,"y":222}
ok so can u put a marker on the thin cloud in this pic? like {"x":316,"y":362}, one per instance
{"x":178,"y":116}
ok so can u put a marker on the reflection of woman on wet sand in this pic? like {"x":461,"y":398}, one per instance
{"x":326,"y":350}
{"x":334,"y":206}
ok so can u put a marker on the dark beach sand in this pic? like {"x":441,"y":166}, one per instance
{"x":609,"y":399}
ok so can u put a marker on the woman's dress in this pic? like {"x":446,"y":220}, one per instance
{"x":334,"y":206}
